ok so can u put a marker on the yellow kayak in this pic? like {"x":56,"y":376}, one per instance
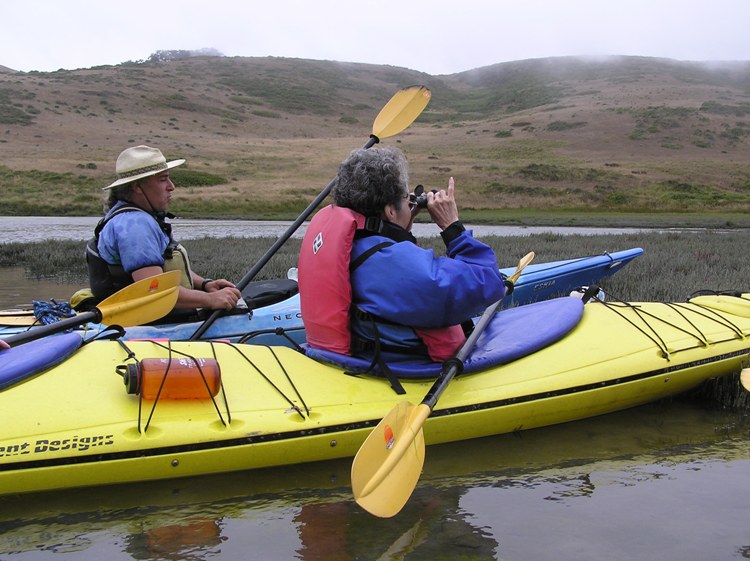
{"x":227,"y":407}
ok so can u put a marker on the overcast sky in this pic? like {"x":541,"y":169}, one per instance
{"x":437,"y":36}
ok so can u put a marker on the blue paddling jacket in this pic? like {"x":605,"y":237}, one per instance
{"x":401,"y":292}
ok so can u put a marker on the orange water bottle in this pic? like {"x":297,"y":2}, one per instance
{"x":182,"y":378}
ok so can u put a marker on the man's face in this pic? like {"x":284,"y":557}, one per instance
{"x":157,"y":190}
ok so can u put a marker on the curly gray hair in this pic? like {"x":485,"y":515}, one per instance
{"x":368,"y":180}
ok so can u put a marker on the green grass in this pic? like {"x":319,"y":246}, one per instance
{"x":34,"y":192}
{"x":14,"y":107}
{"x":740,"y":110}
{"x":553,"y":172}
{"x":565,"y":125}
{"x":600,"y":218}
{"x":192,"y":178}
{"x":582,"y":195}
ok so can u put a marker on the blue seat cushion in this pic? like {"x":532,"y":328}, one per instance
{"x":512,"y":334}
{"x":27,"y":360}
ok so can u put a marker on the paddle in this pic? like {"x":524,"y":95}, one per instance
{"x":388,"y":464}
{"x":20,"y":318}
{"x":141,"y":302}
{"x":745,"y":378}
{"x":400,"y":112}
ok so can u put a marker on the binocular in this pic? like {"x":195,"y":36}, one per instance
{"x":419,"y":196}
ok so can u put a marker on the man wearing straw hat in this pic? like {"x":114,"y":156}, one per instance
{"x":133,"y":240}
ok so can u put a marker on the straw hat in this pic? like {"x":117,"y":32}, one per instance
{"x":140,"y":161}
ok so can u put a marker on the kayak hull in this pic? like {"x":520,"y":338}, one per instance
{"x":75,"y":425}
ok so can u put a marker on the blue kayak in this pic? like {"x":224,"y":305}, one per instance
{"x":273,"y":313}
{"x":540,"y":281}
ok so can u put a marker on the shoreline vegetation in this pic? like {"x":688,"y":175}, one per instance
{"x":673,"y":266}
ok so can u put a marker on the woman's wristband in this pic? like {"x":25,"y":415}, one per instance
{"x":204,"y":283}
{"x":452,"y":232}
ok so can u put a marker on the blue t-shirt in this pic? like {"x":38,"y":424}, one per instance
{"x":133,"y":240}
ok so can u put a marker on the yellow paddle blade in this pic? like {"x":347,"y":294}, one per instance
{"x":22,"y":319}
{"x":389,"y":462}
{"x":525,"y":260}
{"x":142,"y":302}
{"x":401,"y":111}
{"x":745,"y":378}
{"x":16,"y":312}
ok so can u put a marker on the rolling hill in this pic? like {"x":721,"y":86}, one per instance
{"x":263,"y":136}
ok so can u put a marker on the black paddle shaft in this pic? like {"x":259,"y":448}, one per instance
{"x":58,"y":327}
{"x":452,"y":366}
{"x":250,"y":275}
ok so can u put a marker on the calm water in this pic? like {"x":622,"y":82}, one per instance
{"x":39,"y":228}
{"x":662,"y":482}
{"x":17,"y":290}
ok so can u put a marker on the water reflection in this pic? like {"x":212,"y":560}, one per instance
{"x":191,"y":539}
{"x":17,"y":290}
{"x":660,"y":481}
{"x":431,"y":526}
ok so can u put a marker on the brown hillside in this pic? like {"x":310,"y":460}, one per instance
{"x":266,"y":134}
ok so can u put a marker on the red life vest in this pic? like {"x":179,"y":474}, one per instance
{"x":323,"y":276}
{"x":325,"y":287}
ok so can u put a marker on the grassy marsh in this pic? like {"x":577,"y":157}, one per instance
{"x":673,"y":264}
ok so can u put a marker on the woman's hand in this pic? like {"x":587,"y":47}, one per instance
{"x":442,"y":206}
